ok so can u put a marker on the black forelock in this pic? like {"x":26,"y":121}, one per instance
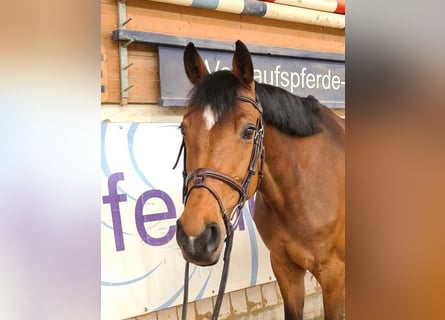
{"x":218,"y":90}
{"x":289,"y":113}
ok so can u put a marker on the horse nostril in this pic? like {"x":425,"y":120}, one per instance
{"x":180,"y":235}
{"x":212,"y":236}
{"x":199,"y":249}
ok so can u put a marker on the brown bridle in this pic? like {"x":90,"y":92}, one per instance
{"x":197,"y":179}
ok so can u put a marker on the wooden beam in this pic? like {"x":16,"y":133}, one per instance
{"x":177,"y":41}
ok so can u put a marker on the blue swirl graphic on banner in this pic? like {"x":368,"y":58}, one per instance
{"x":204,"y":286}
{"x":130,"y":138}
{"x":124,"y":283}
{"x":104,"y":162}
{"x":170,"y":301}
{"x":106,"y":168}
{"x":111,"y":228}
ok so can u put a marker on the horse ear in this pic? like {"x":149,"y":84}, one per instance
{"x":193,"y":64}
{"x":242,"y":64}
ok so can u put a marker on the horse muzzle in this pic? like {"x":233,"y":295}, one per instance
{"x":203,"y":249}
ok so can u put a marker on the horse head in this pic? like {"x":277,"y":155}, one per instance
{"x":222,"y":133}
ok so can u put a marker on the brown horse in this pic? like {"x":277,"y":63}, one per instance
{"x":300,"y":199}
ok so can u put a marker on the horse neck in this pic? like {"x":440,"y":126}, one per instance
{"x":278,"y":162}
{"x":291,"y":162}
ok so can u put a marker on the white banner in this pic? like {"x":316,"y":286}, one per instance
{"x":142,"y":267}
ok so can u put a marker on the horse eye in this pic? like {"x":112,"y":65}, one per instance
{"x":248,"y":132}
{"x":182,"y":129}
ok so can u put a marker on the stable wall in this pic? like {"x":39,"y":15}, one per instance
{"x":193,"y":22}
{"x":262,"y":301}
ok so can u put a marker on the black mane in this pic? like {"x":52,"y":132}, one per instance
{"x":287,"y":112}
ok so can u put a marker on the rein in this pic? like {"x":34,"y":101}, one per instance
{"x":198,"y":178}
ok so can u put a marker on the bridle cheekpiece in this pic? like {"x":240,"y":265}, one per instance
{"x":197,"y":179}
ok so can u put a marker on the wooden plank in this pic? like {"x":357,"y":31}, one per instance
{"x":143,"y":68}
{"x":202,"y":23}
{"x":141,"y":113}
{"x":143,"y":91}
{"x":108,"y":2}
{"x":108,"y":15}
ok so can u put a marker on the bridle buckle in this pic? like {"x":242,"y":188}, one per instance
{"x":198,"y":177}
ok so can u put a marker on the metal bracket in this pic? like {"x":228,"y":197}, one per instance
{"x":127,"y":43}
{"x":125,"y":22}
{"x":123,"y":52}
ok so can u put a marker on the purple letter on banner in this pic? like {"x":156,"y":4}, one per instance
{"x":113,"y":199}
{"x":141,"y":218}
